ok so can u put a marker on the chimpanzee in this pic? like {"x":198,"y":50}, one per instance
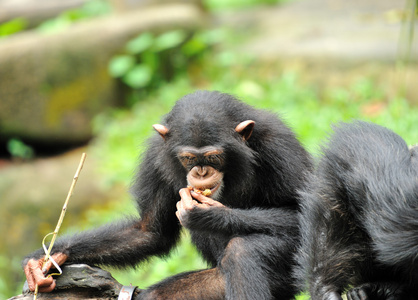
{"x":359,"y":220}
{"x":250,"y":164}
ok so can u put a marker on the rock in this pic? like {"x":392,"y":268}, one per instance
{"x":333,"y":42}
{"x":336,"y":30}
{"x":31,"y":198}
{"x":52,"y":85}
{"x":126,"y":5}
{"x":34,"y":12}
{"x":79,"y":281}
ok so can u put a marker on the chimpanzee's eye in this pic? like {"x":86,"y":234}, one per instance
{"x":214,"y":159}
{"x":187,"y":160}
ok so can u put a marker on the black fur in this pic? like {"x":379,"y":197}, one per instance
{"x":359,"y":221}
{"x":249,"y":243}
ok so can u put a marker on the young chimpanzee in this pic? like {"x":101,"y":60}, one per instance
{"x":359,"y":221}
{"x":249,"y":162}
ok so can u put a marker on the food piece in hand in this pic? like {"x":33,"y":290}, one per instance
{"x":206,"y":192}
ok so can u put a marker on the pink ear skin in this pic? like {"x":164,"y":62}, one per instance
{"x":245,"y":129}
{"x":161,"y":129}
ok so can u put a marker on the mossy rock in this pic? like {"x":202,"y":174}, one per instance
{"x":52,"y":85}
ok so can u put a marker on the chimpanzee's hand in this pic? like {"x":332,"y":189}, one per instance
{"x":357,"y":293}
{"x":332,"y":296}
{"x":187,"y":204}
{"x":35,"y":274}
{"x":378,"y":290}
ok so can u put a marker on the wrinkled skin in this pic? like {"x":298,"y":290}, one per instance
{"x":35,"y":275}
{"x":187,"y":203}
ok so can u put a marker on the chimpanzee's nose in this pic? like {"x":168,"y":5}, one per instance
{"x":199,"y":171}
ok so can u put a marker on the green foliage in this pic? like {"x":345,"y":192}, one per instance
{"x":8,"y":278}
{"x":139,"y":76}
{"x":140,"y":44}
{"x":19,"y":149}
{"x":120,"y":65}
{"x":90,"y":9}
{"x":152,"y":60}
{"x":13,"y":26}
{"x":303,"y":296}
{"x":218,"y":5}
{"x":169,"y":40}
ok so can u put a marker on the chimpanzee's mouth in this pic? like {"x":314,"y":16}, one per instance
{"x":213,"y":189}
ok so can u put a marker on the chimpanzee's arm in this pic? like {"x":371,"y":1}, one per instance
{"x":211,"y":216}
{"x":228,"y":221}
{"x":121,"y":244}
{"x":380,"y":290}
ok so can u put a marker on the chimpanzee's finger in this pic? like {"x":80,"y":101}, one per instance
{"x":185,"y":194}
{"x":47,"y":289}
{"x":186,"y":198}
{"x":54,"y":261}
{"x":35,"y":276}
{"x":206,"y":200}
{"x":29,"y":273}
{"x":58,"y":257}
{"x":179,"y":217}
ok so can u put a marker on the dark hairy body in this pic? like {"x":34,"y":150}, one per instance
{"x":247,"y":230}
{"x":359,"y":218}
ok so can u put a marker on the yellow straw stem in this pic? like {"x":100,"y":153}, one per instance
{"x":64,"y":209}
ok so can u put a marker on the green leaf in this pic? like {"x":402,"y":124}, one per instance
{"x":94,"y":8}
{"x":193,"y":47}
{"x":13,"y":26}
{"x":120,"y":65}
{"x":141,"y":43}
{"x":151,"y":59}
{"x":19,"y":149}
{"x":169,"y":40}
{"x":138,"y":77}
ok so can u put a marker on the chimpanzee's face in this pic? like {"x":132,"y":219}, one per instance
{"x":200,"y":152}
{"x":204,"y":168}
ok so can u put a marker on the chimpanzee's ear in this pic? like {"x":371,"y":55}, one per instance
{"x":245,"y":129}
{"x":161,"y":129}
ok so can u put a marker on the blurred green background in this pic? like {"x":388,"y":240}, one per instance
{"x":153,"y":70}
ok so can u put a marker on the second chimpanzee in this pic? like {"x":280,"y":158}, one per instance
{"x":359,"y":219}
{"x":252,"y":166}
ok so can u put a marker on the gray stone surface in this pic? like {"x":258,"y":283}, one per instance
{"x":32,"y":195}
{"x":354,"y":30}
{"x":34,"y":12}
{"x":333,"y":42}
{"x":51,"y":85}
{"x":79,"y":281}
